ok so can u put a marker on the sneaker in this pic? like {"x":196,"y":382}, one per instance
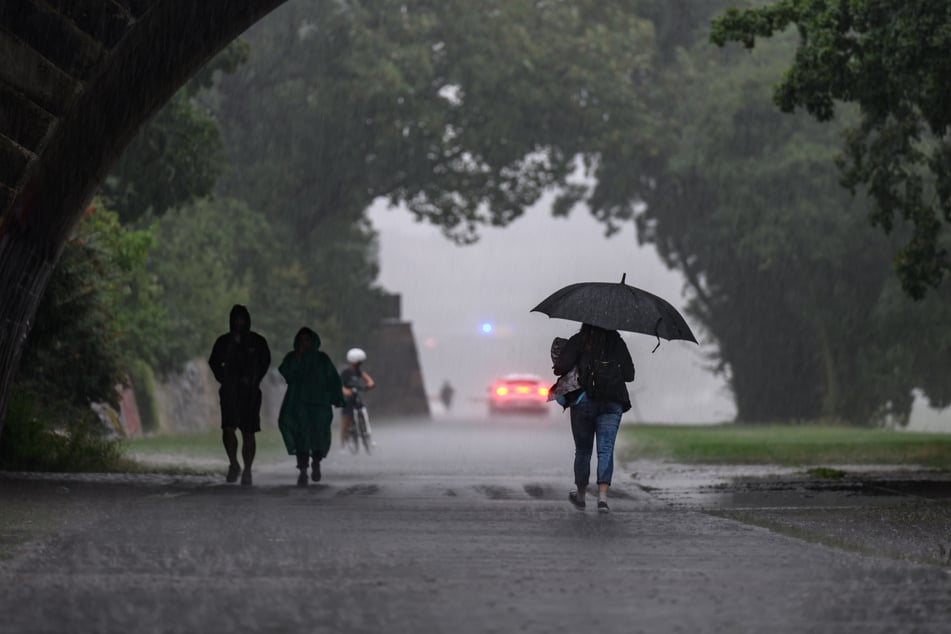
{"x":233,"y":472}
{"x":574,"y":499}
{"x":302,"y":478}
{"x":603,"y":507}
{"x":246,"y":478}
{"x":315,"y":472}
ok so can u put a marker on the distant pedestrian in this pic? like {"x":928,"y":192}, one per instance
{"x":445,"y":395}
{"x":239,"y":359}
{"x":313,"y":389}
{"x":604,"y":365}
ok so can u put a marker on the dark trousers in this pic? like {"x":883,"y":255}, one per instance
{"x":303,"y":458}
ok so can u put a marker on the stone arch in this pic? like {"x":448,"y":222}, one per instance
{"x":78,"y":78}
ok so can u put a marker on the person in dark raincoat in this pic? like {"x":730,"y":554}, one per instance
{"x":313,"y":388}
{"x":239,"y":359}
{"x":604,"y":365}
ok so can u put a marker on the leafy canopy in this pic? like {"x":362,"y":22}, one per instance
{"x":463,"y":111}
{"x":177,"y":157}
{"x":783,"y":271}
{"x":99,"y":313}
{"x":891,"y":60}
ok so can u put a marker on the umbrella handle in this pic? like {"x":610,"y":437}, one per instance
{"x":657,"y":334}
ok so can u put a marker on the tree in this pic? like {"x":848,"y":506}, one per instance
{"x":99,"y":314}
{"x":466,"y":112}
{"x":218,"y":252}
{"x":177,"y":157}
{"x":891,"y":60}
{"x":785,"y":275}
{"x":211,"y":253}
{"x":206,"y":259}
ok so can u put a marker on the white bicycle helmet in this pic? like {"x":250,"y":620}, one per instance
{"x":356,"y":355}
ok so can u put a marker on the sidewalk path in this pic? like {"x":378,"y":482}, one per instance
{"x":466,"y":543}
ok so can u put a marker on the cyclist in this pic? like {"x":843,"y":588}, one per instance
{"x":353,"y":376}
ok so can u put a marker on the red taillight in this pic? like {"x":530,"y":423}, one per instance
{"x":501,"y":390}
{"x":543,"y":391}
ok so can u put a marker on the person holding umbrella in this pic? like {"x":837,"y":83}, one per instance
{"x":603,"y":365}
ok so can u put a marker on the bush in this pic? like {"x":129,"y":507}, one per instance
{"x":55,"y":436}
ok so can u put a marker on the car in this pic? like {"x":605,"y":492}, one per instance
{"x":518,"y":393}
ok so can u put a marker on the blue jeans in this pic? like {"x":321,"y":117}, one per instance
{"x":592,"y":419}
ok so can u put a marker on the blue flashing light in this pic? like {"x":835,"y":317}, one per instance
{"x":487,"y":327}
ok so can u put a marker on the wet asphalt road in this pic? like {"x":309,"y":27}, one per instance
{"x":450,"y":527}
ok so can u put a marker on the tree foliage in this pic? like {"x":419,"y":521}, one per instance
{"x":211,"y":253}
{"x":176,"y":157}
{"x":98,"y":314}
{"x":198,"y":263}
{"x":891,"y":60}
{"x":465,"y":112}
{"x":219,"y":252}
{"x":784,"y":272}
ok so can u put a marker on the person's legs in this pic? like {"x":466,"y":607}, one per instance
{"x":315,"y":471}
{"x":248,"y":447}
{"x":582,"y":430}
{"x":607,"y":422}
{"x":230,"y":441}
{"x":302,"y":460}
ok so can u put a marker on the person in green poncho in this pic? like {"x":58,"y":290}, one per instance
{"x":313,"y":389}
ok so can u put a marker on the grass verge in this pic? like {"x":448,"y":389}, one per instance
{"x":788,"y":445}
{"x":201,"y":447}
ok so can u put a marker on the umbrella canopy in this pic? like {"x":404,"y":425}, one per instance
{"x":617,"y":307}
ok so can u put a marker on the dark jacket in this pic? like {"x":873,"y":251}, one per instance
{"x":239,"y":360}
{"x":614,"y":349}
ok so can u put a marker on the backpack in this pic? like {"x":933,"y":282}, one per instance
{"x":601,"y":376}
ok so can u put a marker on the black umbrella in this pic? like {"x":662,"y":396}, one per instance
{"x":617,"y":307}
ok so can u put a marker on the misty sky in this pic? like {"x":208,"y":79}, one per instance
{"x":450,"y":291}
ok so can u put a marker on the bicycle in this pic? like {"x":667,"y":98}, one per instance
{"x":359,"y":430}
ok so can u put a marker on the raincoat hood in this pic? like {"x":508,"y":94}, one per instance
{"x":307,"y":331}
{"x":238,"y":311}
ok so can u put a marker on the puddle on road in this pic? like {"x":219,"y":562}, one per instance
{"x":767,"y":486}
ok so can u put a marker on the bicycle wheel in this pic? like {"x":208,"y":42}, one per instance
{"x":353,"y":436}
{"x":364,"y":432}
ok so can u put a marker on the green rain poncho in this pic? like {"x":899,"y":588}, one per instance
{"x":313,"y":388}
